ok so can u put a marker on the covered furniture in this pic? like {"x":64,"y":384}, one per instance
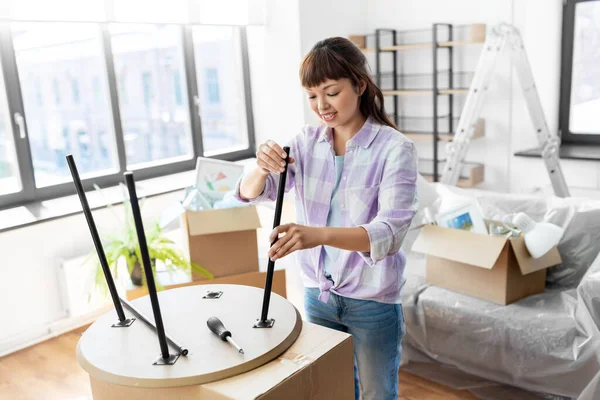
{"x":546,"y":343}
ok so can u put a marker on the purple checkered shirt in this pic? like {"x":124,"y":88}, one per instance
{"x":379,"y":187}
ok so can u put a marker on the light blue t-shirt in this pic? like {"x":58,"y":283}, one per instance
{"x":334,"y":218}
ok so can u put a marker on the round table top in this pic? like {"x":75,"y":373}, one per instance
{"x":125,"y":356}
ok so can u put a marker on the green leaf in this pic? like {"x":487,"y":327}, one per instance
{"x":124,"y":244}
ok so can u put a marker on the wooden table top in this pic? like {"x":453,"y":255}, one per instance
{"x":125,"y":356}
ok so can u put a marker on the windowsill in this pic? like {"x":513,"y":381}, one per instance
{"x":44,"y":211}
{"x":568,"y":152}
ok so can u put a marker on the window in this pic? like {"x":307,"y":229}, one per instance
{"x":10,"y":181}
{"x":96,"y":90}
{"x":147,"y":88}
{"x":75,"y":88}
{"x":56,"y":91}
{"x":220,"y":87}
{"x":177,"y":84}
{"x":580,"y":90}
{"x":123,"y":98}
{"x":117,"y":94}
{"x":65,"y":54}
{"x":212,"y":85}
{"x":157,"y":129}
{"x":38,"y":92}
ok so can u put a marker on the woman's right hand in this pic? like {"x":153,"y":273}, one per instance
{"x":270,"y":157}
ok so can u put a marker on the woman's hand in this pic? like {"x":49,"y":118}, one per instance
{"x":296,"y":237}
{"x":270,"y":157}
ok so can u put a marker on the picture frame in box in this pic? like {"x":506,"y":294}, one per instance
{"x":466,"y":217}
{"x":214,"y":178}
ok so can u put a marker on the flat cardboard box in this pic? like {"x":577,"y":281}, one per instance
{"x":492,"y":268}
{"x":223,"y":241}
{"x":254,"y":279}
{"x":318,"y":366}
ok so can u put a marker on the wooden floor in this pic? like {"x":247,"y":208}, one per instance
{"x":50,"y":371}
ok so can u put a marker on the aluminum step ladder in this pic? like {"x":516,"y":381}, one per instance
{"x":456,"y":150}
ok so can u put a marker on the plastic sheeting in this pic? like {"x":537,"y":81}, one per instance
{"x":547,"y":343}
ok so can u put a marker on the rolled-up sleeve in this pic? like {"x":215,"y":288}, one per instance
{"x":267,"y":194}
{"x":398,"y":204}
{"x":272,"y":183}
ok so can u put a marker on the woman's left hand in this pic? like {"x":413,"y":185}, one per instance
{"x":296,"y":237}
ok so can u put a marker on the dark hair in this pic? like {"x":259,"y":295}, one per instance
{"x":337,"y":58}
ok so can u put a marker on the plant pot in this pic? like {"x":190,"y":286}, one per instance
{"x":137,"y":273}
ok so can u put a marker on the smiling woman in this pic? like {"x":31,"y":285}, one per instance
{"x":349,"y":68}
{"x":355,"y":182}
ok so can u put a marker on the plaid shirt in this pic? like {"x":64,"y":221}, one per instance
{"x":379,"y":183}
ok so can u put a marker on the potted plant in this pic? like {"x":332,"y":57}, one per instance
{"x":123,"y":244}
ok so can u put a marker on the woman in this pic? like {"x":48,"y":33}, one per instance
{"x":355,"y":181}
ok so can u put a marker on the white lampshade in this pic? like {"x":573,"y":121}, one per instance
{"x":540,"y":237}
{"x":426,"y":191}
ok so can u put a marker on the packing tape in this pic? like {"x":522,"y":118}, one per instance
{"x":302,"y":361}
{"x":296,"y":358}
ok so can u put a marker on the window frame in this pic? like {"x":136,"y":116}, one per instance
{"x":31,"y":194}
{"x":568,"y":32}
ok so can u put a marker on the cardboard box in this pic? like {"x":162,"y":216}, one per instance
{"x":359,"y":40}
{"x":254,"y":279}
{"x":223,"y":241}
{"x":318,"y":366}
{"x":491,"y":268}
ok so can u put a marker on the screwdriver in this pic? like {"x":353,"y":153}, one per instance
{"x":217,"y":327}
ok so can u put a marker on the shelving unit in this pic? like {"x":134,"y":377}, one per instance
{"x":472,"y":174}
{"x":422,"y":136}
{"x":391,"y":42}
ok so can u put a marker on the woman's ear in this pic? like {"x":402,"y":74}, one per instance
{"x":362,"y":86}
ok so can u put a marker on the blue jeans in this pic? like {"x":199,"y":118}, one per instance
{"x":377,"y":330}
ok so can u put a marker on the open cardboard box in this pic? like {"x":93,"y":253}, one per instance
{"x":493,"y":268}
{"x":223,"y":241}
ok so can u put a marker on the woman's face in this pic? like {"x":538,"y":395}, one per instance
{"x":336,"y":102}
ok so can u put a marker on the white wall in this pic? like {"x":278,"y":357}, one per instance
{"x":30,"y":291}
{"x":274,"y":52}
{"x":507,"y":121}
{"x":292,"y":28}
{"x":542,"y":39}
{"x":322,"y":19}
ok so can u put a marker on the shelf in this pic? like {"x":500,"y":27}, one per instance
{"x":471,"y":175}
{"x":421,"y":117}
{"x":427,"y":137}
{"x":462,"y":182}
{"x":423,"y":137}
{"x":409,"y":92}
{"x":568,"y":151}
{"x":390,"y":74}
{"x":403,"y":47}
{"x":424,"y":81}
{"x":476,"y":35}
